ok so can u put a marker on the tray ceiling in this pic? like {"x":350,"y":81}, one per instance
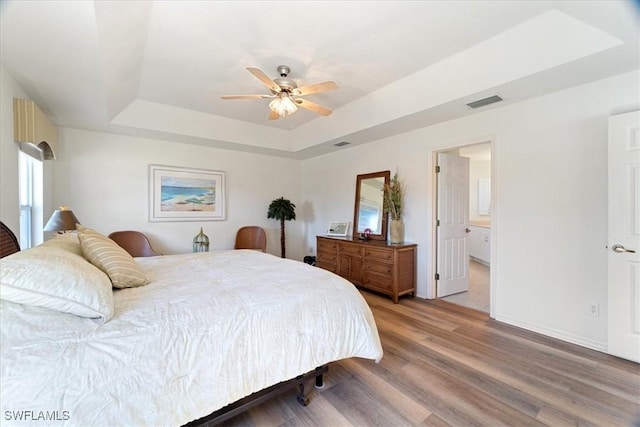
{"x":158,"y":68}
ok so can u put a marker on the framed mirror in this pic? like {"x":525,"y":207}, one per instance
{"x":368,"y":212}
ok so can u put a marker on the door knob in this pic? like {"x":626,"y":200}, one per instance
{"x":621,"y":249}
{"x":467,"y":230}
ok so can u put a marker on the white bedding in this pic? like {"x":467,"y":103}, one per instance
{"x":208,"y":330}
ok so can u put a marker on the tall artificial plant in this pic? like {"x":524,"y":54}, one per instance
{"x":393,"y":197}
{"x":283,"y":210}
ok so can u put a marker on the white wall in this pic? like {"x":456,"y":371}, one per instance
{"x":9,"y":196}
{"x":479,"y":168}
{"x":104,"y":179}
{"x":550,"y":220}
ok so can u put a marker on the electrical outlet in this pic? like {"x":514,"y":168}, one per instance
{"x":594,"y":309}
{"x":310,"y":249}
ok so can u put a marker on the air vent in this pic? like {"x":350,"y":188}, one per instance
{"x":486,"y":101}
{"x":342,"y":144}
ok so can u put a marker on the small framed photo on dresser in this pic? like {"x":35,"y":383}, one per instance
{"x":338,"y":228}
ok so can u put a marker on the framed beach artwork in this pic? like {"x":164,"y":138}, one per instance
{"x":338,"y":228}
{"x":186,"y":194}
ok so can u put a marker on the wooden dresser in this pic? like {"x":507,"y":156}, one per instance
{"x":374,"y":265}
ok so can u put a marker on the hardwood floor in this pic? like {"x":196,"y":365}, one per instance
{"x":449,"y":365}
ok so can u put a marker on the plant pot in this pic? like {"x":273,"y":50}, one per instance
{"x":396,"y":231}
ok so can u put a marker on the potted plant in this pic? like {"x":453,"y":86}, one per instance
{"x":283,"y":210}
{"x":393,"y":206}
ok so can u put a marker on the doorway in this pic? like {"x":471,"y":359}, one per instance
{"x":474,"y":246}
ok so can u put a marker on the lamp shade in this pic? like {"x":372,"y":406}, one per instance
{"x":283,"y":105}
{"x":62,"y":219}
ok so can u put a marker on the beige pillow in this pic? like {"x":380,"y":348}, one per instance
{"x":105,"y":254}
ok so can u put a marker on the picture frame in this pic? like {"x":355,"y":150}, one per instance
{"x":338,"y":228}
{"x":186,"y":194}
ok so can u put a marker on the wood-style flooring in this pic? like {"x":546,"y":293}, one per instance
{"x":449,"y":365}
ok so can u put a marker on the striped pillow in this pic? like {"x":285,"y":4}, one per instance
{"x":105,"y":254}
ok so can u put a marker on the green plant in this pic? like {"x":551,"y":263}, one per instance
{"x":393,"y":197}
{"x":282,"y":210}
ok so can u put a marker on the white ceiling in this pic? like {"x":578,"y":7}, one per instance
{"x":158,"y":68}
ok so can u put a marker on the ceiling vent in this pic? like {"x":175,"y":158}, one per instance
{"x":342,"y":144}
{"x":486,"y":101}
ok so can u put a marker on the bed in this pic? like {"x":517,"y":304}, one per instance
{"x":205,"y":334}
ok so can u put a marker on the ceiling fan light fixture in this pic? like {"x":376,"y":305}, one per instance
{"x":286,"y":95}
{"x":283,"y":105}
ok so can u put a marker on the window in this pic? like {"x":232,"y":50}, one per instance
{"x":31,"y":201}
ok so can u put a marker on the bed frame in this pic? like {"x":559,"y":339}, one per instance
{"x":261,"y":396}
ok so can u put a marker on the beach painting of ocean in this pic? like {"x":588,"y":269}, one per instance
{"x":186,"y":194}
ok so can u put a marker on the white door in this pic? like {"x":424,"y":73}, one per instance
{"x":624,"y":236}
{"x":452,"y":225}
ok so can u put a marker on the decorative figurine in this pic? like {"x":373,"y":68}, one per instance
{"x":201,"y":242}
{"x":366,"y":235}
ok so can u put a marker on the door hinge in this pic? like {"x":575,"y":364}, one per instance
{"x":437,"y":223}
{"x":437,"y":169}
{"x":437,"y":276}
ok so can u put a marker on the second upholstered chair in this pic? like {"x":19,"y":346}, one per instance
{"x":133,"y":242}
{"x":251,"y":237}
{"x":8,"y":241}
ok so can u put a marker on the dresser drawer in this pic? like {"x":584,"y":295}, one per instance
{"x":379,"y":268}
{"x":378,"y":281}
{"x":351,"y":250}
{"x":327,"y":245}
{"x":324,"y":256}
{"x":379,"y":254}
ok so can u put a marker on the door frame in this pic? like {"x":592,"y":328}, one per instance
{"x":432,"y":161}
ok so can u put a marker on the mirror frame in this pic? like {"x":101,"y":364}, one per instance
{"x":356,"y":210}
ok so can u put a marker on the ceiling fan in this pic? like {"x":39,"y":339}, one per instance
{"x":285,"y":93}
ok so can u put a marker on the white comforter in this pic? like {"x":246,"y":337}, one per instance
{"x":208,"y":330}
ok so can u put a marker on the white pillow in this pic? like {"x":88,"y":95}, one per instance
{"x":58,"y":279}
{"x":109,"y":257}
{"x":66,"y":241}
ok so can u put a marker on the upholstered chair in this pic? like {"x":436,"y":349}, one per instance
{"x":251,"y":237}
{"x":133,"y":242}
{"x":8,"y":241}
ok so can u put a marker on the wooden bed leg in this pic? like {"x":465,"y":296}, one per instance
{"x":319,"y":381}
{"x":302,"y":399}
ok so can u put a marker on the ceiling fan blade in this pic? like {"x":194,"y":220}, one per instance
{"x":315,"y":88}
{"x":274,"y":116}
{"x":313,"y":107}
{"x":266,"y":80}
{"x":245,"y":96}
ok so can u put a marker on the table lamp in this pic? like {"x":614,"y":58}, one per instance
{"x":62,"y":220}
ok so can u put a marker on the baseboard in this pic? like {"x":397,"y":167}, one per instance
{"x":554,"y":333}
{"x":480,"y":261}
